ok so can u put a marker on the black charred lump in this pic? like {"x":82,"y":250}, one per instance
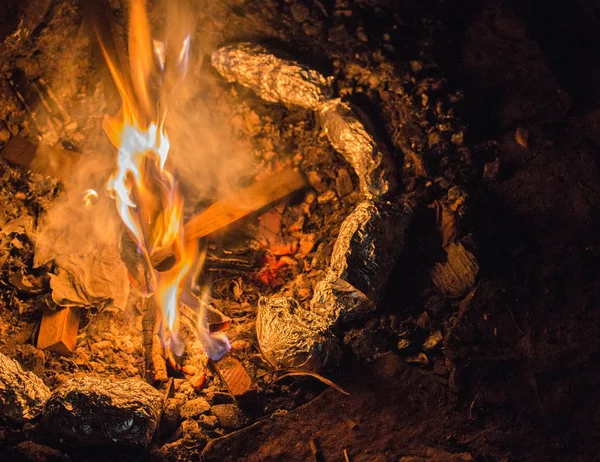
{"x":95,"y":411}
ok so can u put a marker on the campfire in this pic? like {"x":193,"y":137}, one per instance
{"x":208,"y":244}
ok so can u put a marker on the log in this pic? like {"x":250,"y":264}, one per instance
{"x":227,"y":211}
{"x":58,"y":330}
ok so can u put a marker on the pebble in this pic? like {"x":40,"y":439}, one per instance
{"x":194,"y":408}
{"x":300,"y":13}
{"x":191,"y":432}
{"x":229,"y":416}
{"x":343,"y":183}
{"x":326,"y":197}
{"x":4,"y":136}
{"x":207,"y":421}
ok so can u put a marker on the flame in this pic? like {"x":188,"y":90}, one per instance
{"x":90,"y":197}
{"x":146,"y":194}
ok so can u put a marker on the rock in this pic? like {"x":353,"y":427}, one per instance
{"x":22,"y":394}
{"x":96,"y":411}
{"x":207,"y":421}
{"x":34,"y":452}
{"x":326,"y":197}
{"x":229,"y":416}
{"x":170,"y":418}
{"x":343,"y":183}
{"x":300,"y":13}
{"x":194,"y":408}
{"x":434,"y":340}
{"x":192,"y":433}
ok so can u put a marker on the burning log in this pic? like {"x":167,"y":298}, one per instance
{"x":58,"y":330}
{"x":245,"y":201}
{"x":22,"y":394}
{"x":97,"y":411}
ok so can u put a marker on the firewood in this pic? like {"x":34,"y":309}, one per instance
{"x":58,"y":330}
{"x":226,"y":211}
{"x":233,"y":375}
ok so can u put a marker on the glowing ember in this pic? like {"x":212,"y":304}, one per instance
{"x":146,"y":193}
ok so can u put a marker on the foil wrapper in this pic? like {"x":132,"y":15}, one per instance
{"x":290,"y":336}
{"x":273,"y":78}
{"x":369,"y":242}
{"x":349,"y":133}
{"x":96,"y":411}
{"x":22,"y":394}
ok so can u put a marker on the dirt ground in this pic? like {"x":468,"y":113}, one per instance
{"x":517,"y":375}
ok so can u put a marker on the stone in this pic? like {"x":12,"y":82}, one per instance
{"x":97,"y":411}
{"x":343,"y":183}
{"x":22,"y":394}
{"x":229,"y":416}
{"x":194,"y":408}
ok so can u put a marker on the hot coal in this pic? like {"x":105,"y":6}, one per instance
{"x":22,"y":394}
{"x":95,"y":411}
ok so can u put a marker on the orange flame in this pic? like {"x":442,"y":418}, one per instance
{"x":146,"y":193}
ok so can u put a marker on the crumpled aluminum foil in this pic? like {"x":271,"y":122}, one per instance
{"x":274,"y":79}
{"x":290,"y":336}
{"x":346,"y":129}
{"x":22,"y":394}
{"x":368,"y":244}
{"x":97,"y":411}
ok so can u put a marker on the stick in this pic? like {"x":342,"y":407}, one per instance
{"x":227,"y":211}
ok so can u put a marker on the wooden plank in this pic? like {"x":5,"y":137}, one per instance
{"x":233,"y":375}
{"x":58,"y":330}
{"x":227,"y":211}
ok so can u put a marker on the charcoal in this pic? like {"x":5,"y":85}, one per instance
{"x":350,"y":134}
{"x":96,"y":411}
{"x":274,"y":78}
{"x":366,"y":249}
{"x":22,"y":394}
{"x":290,"y":336}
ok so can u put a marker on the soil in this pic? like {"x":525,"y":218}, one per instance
{"x":516,"y":374}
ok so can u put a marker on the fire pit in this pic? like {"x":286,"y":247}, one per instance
{"x":208,"y":244}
